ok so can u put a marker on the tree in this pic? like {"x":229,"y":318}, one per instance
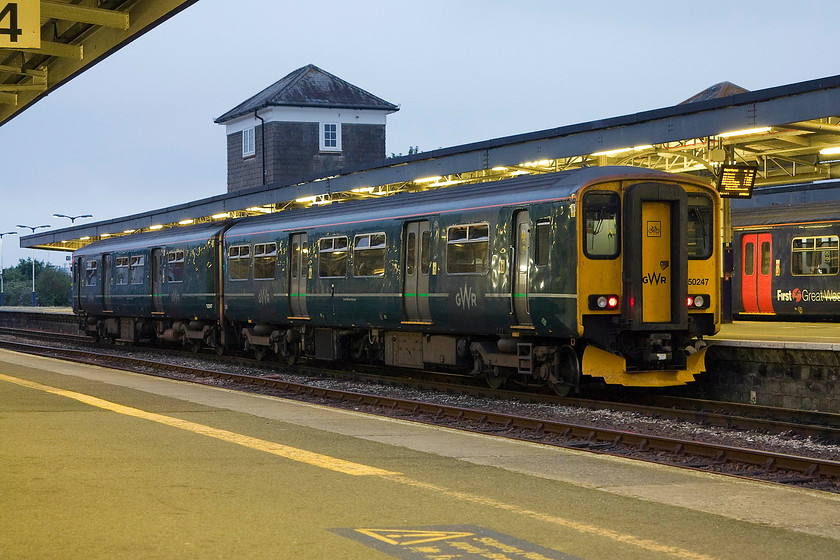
{"x":52,"y":284}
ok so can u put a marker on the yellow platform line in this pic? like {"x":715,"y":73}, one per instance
{"x":339,"y":465}
{"x":293,"y":453}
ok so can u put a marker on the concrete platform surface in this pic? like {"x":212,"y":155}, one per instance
{"x":98,"y":463}
{"x":769,"y":334}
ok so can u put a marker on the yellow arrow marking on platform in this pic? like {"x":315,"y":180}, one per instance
{"x":293,"y":453}
{"x":408,"y":537}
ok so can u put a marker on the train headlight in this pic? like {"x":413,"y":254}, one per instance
{"x":606,"y":302}
{"x":698,"y":301}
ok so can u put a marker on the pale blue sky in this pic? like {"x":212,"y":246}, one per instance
{"x":136,"y":131}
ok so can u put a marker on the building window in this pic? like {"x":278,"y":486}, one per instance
{"x":248,"y":145}
{"x":331,"y":137}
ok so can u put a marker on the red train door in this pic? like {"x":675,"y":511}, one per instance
{"x":756,"y":273}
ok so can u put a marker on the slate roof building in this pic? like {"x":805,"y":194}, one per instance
{"x":306,"y":124}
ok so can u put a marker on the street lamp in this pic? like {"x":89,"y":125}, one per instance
{"x":33,"y":228}
{"x":73,"y":218}
{"x":2,"y":292}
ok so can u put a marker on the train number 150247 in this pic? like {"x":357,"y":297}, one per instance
{"x":698,"y":281}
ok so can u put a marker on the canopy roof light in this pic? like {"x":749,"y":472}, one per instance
{"x":830,"y":151}
{"x":428,"y":179}
{"x":155,"y":227}
{"x":624,"y":150}
{"x":745,"y":132}
{"x":185,"y":222}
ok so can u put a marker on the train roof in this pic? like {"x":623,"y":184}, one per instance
{"x":525,"y":189}
{"x":196,"y":234}
{"x":808,"y":213}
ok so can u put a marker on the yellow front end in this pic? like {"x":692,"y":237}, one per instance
{"x":648,"y":279}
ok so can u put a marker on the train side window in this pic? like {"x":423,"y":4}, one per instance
{"x":601,"y":225}
{"x":175,"y":266}
{"x":543,"y":242}
{"x":700,"y":224}
{"x":136,"y":270}
{"x":265,"y":261}
{"x":468,"y":249}
{"x":295,"y":259}
{"x":749,"y":259}
{"x":425,"y":252}
{"x":766,"y":257}
{"x":91,"y":272}
{"x":121,"y":265}
{"x":411,"y":254}
{"x":239,"y":262}
{"x":332,"y":257}
{"x":813,"y":256}
{"x":369,"y":254}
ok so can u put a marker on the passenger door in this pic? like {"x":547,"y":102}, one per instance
{"x":656,"y":262}
{"x":157,"y":281}
{"x":106,"y":283}
{"x":417,"y":262}
{"x":298,"y":251}
{"x":756,"y":272}
{"x":520,"y":267}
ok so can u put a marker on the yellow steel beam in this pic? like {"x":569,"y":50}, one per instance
{"x":95,"y":16}
{"x":39,"y":74}
{"x":8,"y":99}
{"x":16,"y":88}
{"x":62,"y":50}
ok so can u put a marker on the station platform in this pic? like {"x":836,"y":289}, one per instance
{"x":778,"y":335}
{"x":100,"y":463}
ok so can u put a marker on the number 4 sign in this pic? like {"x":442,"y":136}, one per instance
{"x":20,"y":24}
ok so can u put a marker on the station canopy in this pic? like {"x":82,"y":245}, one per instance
{"x":43,"y":44}
{"x":788,"y":134}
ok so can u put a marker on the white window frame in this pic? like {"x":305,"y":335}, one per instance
{"x":334,"y":145}
{"x":249,"y":145}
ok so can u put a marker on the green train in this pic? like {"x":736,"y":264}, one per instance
{"x":610,"y":272}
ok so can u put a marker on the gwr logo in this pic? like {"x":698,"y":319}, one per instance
{"x":654,"y":278}
{"x":465,"y":298}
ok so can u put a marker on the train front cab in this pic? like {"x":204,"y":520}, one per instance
{"x":648,"y":279}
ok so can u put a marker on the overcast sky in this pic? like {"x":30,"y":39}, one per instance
{"x":136,"y":132}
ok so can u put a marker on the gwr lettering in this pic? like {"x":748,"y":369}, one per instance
{"x":654,"y":278}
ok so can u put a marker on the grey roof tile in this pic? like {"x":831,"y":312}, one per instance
{"x":310,"y":87}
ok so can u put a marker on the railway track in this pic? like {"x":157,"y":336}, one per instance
{"x":820,"y":426}
{"x":751,"y":463}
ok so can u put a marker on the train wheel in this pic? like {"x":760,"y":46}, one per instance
{"x":566,"y":373}
{"x":260,"y":352}
{"x":494,"y":378}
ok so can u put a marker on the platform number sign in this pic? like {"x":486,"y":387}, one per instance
{"x":20,"y":24}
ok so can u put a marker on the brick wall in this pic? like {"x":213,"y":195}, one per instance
{"x":790,"y":378}
{"x":292,"y":152}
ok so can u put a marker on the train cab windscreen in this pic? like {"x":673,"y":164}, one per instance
{"x":600,"y":215}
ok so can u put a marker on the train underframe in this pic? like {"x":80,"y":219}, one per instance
{"x":658,"y":359}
